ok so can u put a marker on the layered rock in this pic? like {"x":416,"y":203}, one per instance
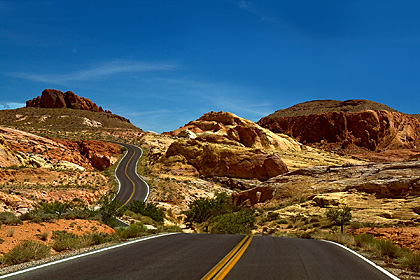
{"x":40,"y":151}
{"x":212,"y":159}
{"x":52,"y":98}
{"x":7,"y":157}
{"x":227,"y":128}
{"x":347,"y":124}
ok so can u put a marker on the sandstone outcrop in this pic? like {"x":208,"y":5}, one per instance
{"x":52,"y":98}
{"x":347,"y":124}
{"x":7,"y":157}
{"x":212,"y":160}
{"x":227,"y":128}
{"x":39,"y":151}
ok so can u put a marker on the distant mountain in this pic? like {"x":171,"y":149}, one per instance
{"x":346,"y":124}
{"x":324,"y":106}
{"x":63,"y":115}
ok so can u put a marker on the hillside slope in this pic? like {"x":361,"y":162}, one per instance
{"x":347,"y":126}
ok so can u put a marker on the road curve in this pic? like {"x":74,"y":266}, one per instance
{"x":131,"y":186}
{"x":192,"y":256}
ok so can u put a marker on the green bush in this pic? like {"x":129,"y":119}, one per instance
{"x":411,"y":261}
{"x":26,"y":251}
{"x":109,"y":209}
{"x":335,"y":215}
{"x":241,"y":222}
{"x":386,"y":247}
{"x":200,"y":210}
{"x":132,"y":231}
{"x":364,"y":240}
{"x":147,"y":209}
{"x":8,"y":218}
{"x":64,"y":240}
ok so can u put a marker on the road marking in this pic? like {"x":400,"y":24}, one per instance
{"x":390,"y":275}
{"x":220,"y":270}
{"x":85,"y":254}
{"x":134,"y":185}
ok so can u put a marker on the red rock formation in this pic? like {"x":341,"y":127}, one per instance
{"x":227,"y":128}
{"x":52,"y":98}
{"x":375,"y":130}
{"x":216,"y":160}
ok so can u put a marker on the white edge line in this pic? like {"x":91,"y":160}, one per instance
{"x":84,"y":255}
{"x":389,"y":274}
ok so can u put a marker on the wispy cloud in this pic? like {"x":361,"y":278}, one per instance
{"x":236,"y":99}
{"x":259,"y":12}
{"x":97,"y":72}
{"x":11,"y":105}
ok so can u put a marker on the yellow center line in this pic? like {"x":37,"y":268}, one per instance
{"x":134,"y":186}
{"x":220,"y":270}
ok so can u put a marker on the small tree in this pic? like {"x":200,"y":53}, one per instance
{"x":200,"y":210}
{"x":335,"y":215}
{"x":241,"y":222}
{"x":109,"y":209}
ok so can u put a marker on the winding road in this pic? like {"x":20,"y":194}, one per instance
{"x":201,"y":256}
{"x":131,"y":185}
{"x":204,"y":256}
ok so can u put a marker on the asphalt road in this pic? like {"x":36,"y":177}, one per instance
{"x":132,"y":187}
{"x":192,"y":256}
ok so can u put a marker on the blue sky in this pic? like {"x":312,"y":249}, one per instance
{"x":164,"y":63}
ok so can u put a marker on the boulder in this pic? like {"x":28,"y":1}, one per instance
{"x":212,"y":160}
{"x":52,"y":98}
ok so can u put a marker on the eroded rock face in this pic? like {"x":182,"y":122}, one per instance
{"x":227,"y":128}
{"x":216,"y":160}
{"x":52,"y":98}
{"x":375,"y":130}
{"x":38,"y":151}
{"x":7,"y":157}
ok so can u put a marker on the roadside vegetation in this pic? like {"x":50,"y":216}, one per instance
{"x":327,"y":227}
{"x":147,"y":218}
{"x":219,"y":215}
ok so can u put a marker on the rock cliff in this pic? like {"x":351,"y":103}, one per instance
{"x":29,"y":149}
{"x":347,"y":124}
{"x":52,"y":98}
{"x":212,"y":159}
{"x":227,"y":128}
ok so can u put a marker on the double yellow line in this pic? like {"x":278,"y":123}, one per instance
{"x":134,"y":185}
{"x":228,"y":262}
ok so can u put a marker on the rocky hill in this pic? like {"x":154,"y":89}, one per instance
{"x":347,"y":125}
{"x":52,"y":98}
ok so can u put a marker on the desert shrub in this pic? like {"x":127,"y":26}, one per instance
{"x":147,"y":209}
{"x":271,"y":216}
{"x":100,"y":238}
{"x":411,"y":261}
{"x":341,"y":238}
{"x":364,"y":240}
{"x":173,"y":228}
{"x":64,"y":240}
{"x":241,"y":222}
{"x":8,"y":218}
{"x":26,"y":251}
{"x":55,"y":207}
{"x":202,"y":209}
{"x":109,"y":209}
{"x":132,"y":231}
{"x":385,"y":247}
{"x":334,"y":215}
{"x":38,"y":217}
{"x":43,"y":236}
